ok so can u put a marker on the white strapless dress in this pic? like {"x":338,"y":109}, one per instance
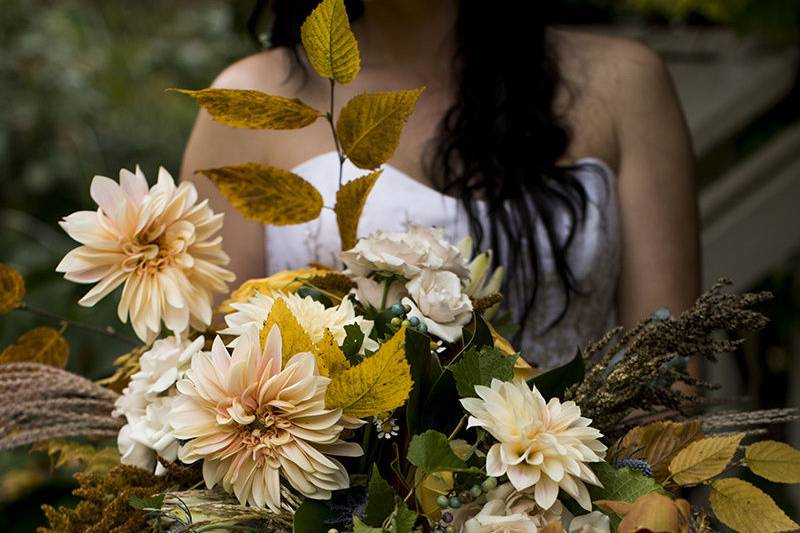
{"x":398,"y":200}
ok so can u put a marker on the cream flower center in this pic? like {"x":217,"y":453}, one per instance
{"x":156,"y":248}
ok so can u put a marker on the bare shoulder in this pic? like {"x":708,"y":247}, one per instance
{"x":615,"y":68}
{"x":267,"y":71}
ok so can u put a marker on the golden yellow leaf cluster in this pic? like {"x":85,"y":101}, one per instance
{"x":329,"y":42}
{"x":87,"y":457}
{"x":659,"y":442}
{"x":380,"y":383}
{"x":331,"y":357}
{"x":746,"y":509}
{"x":286,"y":281}
{"x":267,"y":194}
{"x":703,"y":459}
{"x":350,"y":200}
{"x":240,"y":108}
{"x":773,"y":460}
{"x":12,"y":288}
{"x":293,"y":336}
{"x":42,"y":345}
{"x":369,"y":126}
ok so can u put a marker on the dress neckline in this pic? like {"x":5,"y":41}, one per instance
{"x":607,"y":170}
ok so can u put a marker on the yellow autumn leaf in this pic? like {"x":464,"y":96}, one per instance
{"x":240,"y":108}
{"x":703,"y":459}
{"x":380,"y":383}
{"x":370,"y":124}
{"x":42,"y":345}
{"x":330,"y":356}
{"x":126,"y":365}
{"x":286,"y":281}
{"x":12,"y":288}
{"x":267,"y":194}
{"x":773,"y":460}
{"x":350,"y":200}
{"x":746,"y":509}
{"x":659,"y":442}
{"x":89,"y":458}
{"x":294,"y":337}
{"x":329,"y":42}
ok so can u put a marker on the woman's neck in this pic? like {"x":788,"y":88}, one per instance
{"x":417,"y":34}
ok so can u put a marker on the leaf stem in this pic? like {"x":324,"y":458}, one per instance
{"x":107,"y":330}
{"x":458,"y":427}
{"x":329,"y":116}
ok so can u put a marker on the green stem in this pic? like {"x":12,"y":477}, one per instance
{"x":107,"y":330}
{"x":386,"y":284}
{"x":329,"y":116}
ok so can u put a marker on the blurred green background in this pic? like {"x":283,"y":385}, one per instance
{"x":82,"y":90}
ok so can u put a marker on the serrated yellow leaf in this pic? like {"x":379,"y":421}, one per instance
{"x":331,"y":356}
{"x":746,"y":509}
{"x":267,"y":194}
{"x":286,"y":281}
{"x":90,"y":459}
{"x":294,"y":337}
{"x":703,"y":459}
{"x":773,"y":460}
{"x":369,"y":126}
{"x":659,"y":442}
{"x":240,"y":108}
{"x":350,"y":200}
{"x":12,"y":288}
{"x":40,"y":345}
{"x":329,"y":42}
{"x":382,"y":382}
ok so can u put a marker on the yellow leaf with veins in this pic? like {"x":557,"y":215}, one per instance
{"x":12,"y":288}
{"x":40,"y":345}
{"x":350,"y":200}
{"x":746,"y":509}
{"x":294,"y":338}
{"x":703,"y":459}
{"x":773,"y":460}
{"x":329,"y":42}
{"x":331,"y":356}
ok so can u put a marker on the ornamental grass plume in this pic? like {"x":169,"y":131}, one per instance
{"x":541,"y":445}
{"x":253,"y":422}
{"x":159,"y":242}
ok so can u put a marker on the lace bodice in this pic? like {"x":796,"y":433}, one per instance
{"x":397,"y":200}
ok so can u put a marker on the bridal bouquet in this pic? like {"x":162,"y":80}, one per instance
{"x":373,"y":398}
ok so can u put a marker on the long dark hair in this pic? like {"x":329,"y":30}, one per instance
{"x":501,"y":140}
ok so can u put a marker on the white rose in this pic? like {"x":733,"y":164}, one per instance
{"x":405,"y":254}
{"x":594,"y":522}
{"x":440,"y":303}
{"x":164,"y":364}
{"x":493,"y":519}
{"x":146,"y":438}
{"x":369,"y":291}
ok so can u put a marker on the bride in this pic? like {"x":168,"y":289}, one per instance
{"x":564,"y":152}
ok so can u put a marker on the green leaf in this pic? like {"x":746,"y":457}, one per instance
{"x":554,"y":382}
{"x":353,"y":341}
{"x":425,"y":370}
{"x":480,"y":368}
{"x":380,"y":499}
{"x":443,"y":393}
{"x":147,"y":503}
{"x":404,"y":518}
{"x":477,"y":333}
{"x":310,"y":517}
{"x":361,"y":527}
{"x":431,"y":452}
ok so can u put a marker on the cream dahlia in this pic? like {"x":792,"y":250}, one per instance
{"x":312,"y":316}
{"x":160,"y":242}
{"x":540,"y":445}
{"x":253,"y":422}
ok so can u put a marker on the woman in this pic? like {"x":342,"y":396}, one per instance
{"x":565,"y":152}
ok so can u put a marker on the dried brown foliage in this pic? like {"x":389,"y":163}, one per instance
{"x":41,"y":402}
{"x":105,"y":506}
{"x":127,"y":365}
{"x":333,"y":282}
{"x":487,"y":302}
{"x":632,"y":369}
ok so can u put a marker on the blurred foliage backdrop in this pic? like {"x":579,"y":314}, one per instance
{"x":82,"y":90}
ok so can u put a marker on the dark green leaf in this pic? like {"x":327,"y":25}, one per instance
{"x":441,"y":409}
{"x":477,"y":333}
{"x":480,"y":367}
{"x":310,"y":517}
{"x":404,"y":518}
{"x":315,"y":295}
{"x":425,"y":370}
{"x":352,"y":343}
{"x":380,"y":499}
{"x":146,"y":503}
{"x":554,"y":382}
{"x":431,"y":452}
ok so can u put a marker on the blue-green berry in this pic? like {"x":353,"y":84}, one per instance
{"x":423,"y":328}
{"x":396,"y":309}
{"x":438,"y":530}
{"x":490,"y":483}
{"x":407,"y":308}
{"x":475,"y":491}
{"x":455,"y":502}
{"x":396,"y":321}
{"x":443,"y":501}
{"x":414,"y":321}
{"x":406,"y":323}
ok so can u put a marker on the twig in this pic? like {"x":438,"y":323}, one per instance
{"x":107,"y":330}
